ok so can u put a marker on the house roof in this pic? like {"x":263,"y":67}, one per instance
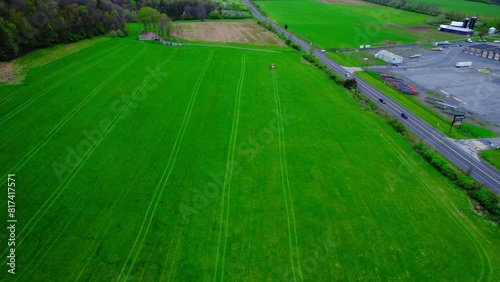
{"x":388,"y":54}
{"x":148,"y":34}
{"x":457,"y":24}
{"x":458,"y":29}
{"x":486,"y":47}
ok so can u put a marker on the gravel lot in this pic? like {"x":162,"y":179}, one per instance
{"x":475,"y":89}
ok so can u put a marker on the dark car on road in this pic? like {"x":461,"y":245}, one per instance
{"x":403,"y":115}
{"x":382,"y":101}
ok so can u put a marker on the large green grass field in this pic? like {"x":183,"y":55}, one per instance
{"x":135,"y":161}
{"x":468,"y":7}
{"x":349,"y":26}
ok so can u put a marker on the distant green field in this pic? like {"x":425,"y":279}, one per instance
{"x":345,"y":26}
{"x":135,"y":161}
{"x":468,"y":7}
{"x":492,"y":157}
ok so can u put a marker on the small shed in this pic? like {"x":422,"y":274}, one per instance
{"x":492,"y":30}
{"x":389,"y":57}
{"x":149,"y":36}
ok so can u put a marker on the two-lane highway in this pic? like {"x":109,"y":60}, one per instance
{"x":481,"y":171}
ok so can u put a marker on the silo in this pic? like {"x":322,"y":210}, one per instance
{"x":472,"y":22}
{"x":466,"y":22}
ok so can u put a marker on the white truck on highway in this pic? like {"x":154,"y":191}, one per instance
{"x":463,"y":64}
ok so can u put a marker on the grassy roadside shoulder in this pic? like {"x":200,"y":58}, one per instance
{"x":492,"y":157}
{"x":355,"y":59}
{"x":440,"y":123}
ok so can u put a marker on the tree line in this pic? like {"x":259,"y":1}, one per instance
{"x":495,"y":2}
{"x":26,"y":25}
{"x":423,"y":8}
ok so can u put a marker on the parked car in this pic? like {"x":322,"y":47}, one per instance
{"x":382,"y":101}
{"x":403,"y":115}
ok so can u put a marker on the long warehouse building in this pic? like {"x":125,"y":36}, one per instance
{"x":483,"y":50}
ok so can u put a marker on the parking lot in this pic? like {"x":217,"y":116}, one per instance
{"x":475,"y":90}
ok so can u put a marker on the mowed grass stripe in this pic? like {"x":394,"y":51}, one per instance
{"x":285,"y":180}
{"x":178,"y":231}
{"x":21,"y":107}
{"x":62,"y":70}
{"x":74,"y":171}
{"x":72,"y":112}
{"x":229,"y":173}
{"x":220,"y":109}
{"x":150,"y":212}
{"x":186,"y":119}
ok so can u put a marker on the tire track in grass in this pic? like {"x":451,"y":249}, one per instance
{"x":65,"y":120}
{"x":48,"y":89}
{"x":285,"y":181}
{"x":153,"y":205}
{"x":61,"y":70}
{"x":229,"y":174}
{"x":74,"y":171}
{"x":391,"y":145}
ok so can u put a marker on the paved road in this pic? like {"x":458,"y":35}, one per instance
{"x":481,"y":171}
